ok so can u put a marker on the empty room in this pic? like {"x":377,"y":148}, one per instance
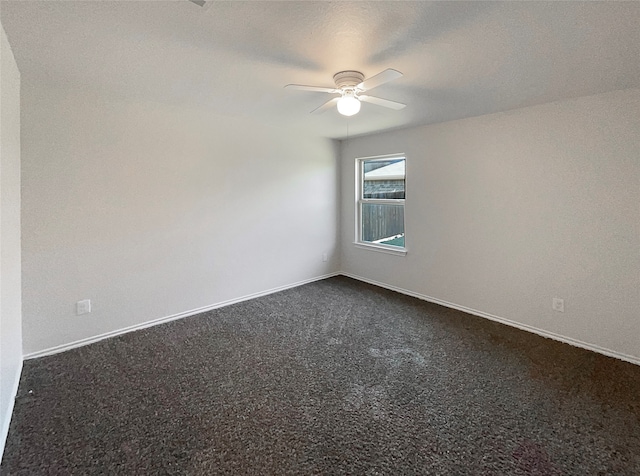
{"x":312,"y":237}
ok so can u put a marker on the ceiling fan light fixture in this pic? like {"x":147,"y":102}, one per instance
{"x":348,"y":105}
{"x":350,"y":85}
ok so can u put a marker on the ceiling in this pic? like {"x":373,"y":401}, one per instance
{"x":459,"y":59}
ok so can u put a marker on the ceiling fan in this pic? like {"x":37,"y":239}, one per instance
{"x":350,"y":85}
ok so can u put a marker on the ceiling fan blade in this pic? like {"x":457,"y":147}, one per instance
{"x":382,"y":102}
{"x":380,"y":78}
{"x":301,"y":87}
{"x":327,"y":105}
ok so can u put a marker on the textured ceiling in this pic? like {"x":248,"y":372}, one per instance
{"x":459,"y":59}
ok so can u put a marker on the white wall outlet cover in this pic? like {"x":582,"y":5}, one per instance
{"x":83,"y":307}
{"x":558,"y":304}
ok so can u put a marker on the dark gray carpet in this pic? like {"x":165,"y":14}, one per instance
{"x":335,"y":377}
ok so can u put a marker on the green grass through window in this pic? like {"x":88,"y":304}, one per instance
{"x":399,"y":241}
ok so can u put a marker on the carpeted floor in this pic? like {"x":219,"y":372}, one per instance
{"x":334,"y":377}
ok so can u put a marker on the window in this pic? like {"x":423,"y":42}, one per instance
{"x":380,"y":202}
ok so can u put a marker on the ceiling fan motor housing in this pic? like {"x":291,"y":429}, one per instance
{"x":348,"y":79}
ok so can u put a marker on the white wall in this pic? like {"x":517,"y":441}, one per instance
{"x":152,"y":210}
{"x":10,"y":293}
{"x":506,"y":211}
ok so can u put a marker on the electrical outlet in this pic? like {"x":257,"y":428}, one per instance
{"x":558,"y":304}
{"x":324,"y":256}
{"x":83,"y":307}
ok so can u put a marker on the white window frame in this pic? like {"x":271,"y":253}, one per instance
{"x":390,"y":249}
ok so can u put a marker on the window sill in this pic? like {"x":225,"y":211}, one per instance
{"x":381,"y":249}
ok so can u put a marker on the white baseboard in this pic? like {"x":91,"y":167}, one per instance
{"x":6,"y":421}
{"x":541,"y":332}
{"x":525,"y":327}
{"x":162,"y":320}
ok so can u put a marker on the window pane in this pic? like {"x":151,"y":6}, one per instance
{"x":383,"y":179}
{"x":383,"y":224}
